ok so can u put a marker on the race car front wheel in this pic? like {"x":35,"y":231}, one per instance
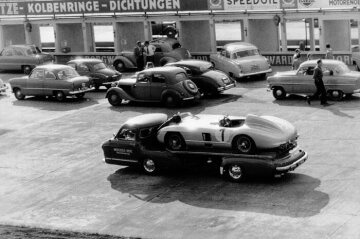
{"x":235,"y":172}
{"x":244,"y":144}
{"x":174,"y":142}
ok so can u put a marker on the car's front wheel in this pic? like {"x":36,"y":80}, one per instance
{"x":279,"y":93}
{"x":60,"y":96}
{"x":18,"y":94}
{"x":243,"y":144}
{"x":336,"y":95}
{"x":235,"y":172}
{"x":149,"y":166}
{"x":114,"y":99}
{"x":174,"y":141}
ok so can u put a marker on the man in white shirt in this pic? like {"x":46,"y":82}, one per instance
{"x":149,"y":51}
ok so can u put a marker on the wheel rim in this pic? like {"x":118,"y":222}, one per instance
{"x":279,"y":92}
{"x":175,"y":142}
{"x":149,"y":165}
{"x":120,"y":66}
{"x":243,"y":144}
{"x":336,"y":94}
{"x":114,"y":98}
{"x":235,"y":172}
{"x":27,"y":69}
{"x":59,"y":96}
{"x":18,"y":94}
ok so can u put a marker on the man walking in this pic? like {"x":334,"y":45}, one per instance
{"x":139,"y":56}
{"x":320,"y":88}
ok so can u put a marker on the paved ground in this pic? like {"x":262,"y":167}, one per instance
{"x":52,"y":174}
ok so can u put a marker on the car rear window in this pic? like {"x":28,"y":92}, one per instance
{"x":246,"y":53}
{"x":67,"y":73}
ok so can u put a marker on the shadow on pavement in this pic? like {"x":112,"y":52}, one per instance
{"x":293,"y":195}
{"x":51,"y":104}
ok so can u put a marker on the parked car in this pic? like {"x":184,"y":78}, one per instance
{"x":51,"y":80}
{"x":96,"y":70}
{"x":355,"y":56}
{"x":136,"y":144}
{"x":208,"y":80}
{"x":167,"y":50}
{"x":241,"y":59}
{"x":23,"y":57}
{"x":3,"y":86}
{"x":169,"y":85}
{"x":244,"y":135}
{"x":338,"y":79}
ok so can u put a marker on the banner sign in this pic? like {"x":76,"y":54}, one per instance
{"x":99,"y":6}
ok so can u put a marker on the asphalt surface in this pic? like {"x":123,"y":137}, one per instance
{"x":52,"y":174}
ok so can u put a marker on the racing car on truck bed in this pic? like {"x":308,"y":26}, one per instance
{"x":136,"y":144}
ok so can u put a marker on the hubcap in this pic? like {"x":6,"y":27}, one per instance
{"x":169,"y":100}
{"x":120,"y":65}
{"x":18,"y":93}
{"x":175,"y":142}
{"x":114,"y":97}
{"x":336,"y":93}
{"x":235,"y":172}
{"x":244,"y":145}
{"x":278,"y":92}
{"x":149,"y":165}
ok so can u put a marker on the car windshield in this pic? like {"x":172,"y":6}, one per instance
{"x":33,"y":50}
{"x":67,"y":73}
{"x":99,"y":66}
{"x":246,"y":53}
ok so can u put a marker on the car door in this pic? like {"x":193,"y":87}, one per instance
{"x":141,"y":89}
{"x":122,"y":146}
{"x":49,"y":82}
{"x":35,"y":83}
{"x":157,"y":86}
{"x":303,"y":82}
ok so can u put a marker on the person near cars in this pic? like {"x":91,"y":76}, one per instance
{"x":149,"y":51}
{"x":319,"y":84}
{"x":329,"y":52}
{"x":296,"y":59}
{"x":139,"y":55}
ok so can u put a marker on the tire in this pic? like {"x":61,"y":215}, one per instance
{"x":190,"y":86}
{"x":174,"y":142}
{"x":243,"y":144}
{"x":114,"y":99}
{"x":18,"y":94}
{"x":337,"y":95}
{"x":60,"y":96}
{"x":235,"y":172}
{"x":149,"y":166}
{"x":80,"y":95}
{"x":171,"y":100}
{"x":27,"y":69}
{"x":279,"y":93}
{"x":120,"y":66}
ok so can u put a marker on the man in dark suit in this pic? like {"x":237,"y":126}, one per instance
{"x":139,"y":56}
{"x":320,"y":88}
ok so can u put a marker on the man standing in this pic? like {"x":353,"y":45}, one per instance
{"x":139,"y":56}
{"x":329,"y":52}
{"x":296,"y":59}
{"x":149,"y":51}
{"x":320,"y":88}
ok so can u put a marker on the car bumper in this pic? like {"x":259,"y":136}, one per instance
{"x":222,"y":88}
{"x":195,"y":97}
{"x":295,"y":159}
{"x":356,"y":91}
{"x":80,"y":91}
{"x":255,"y":73}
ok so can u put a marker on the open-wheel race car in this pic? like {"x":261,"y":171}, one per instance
{"x":136,"y":144}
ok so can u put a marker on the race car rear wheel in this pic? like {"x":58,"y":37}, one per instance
{"x":114,"y":99}
{"x":279,"y":93}
{"x":235,"y":172}
{"x":149,"y":166}
{"x":243,"y":144}
{"x":174,"y":142}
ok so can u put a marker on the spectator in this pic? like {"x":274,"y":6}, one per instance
{"x":309,"y":56}
{"x":149,"y":51}
{"x":139,"y":55}
{"x":296,"y":59}
{"x":329,"y":52}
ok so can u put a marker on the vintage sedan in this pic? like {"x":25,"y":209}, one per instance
{"x":3,"y":86}
{"x":136,"y":144}
{"x":244,"y":135}
{"x":240,"y":60}
{"x":169,"y":85}
{"x":23,"y":57}
{"x":51,"y":80}
{"x":338,"y":79}
{"x":96,"y":70}
{"x":208,"y":80}
{"x":166,"y":51}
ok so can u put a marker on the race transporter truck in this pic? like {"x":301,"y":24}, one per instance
{"x":237,"y":145}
